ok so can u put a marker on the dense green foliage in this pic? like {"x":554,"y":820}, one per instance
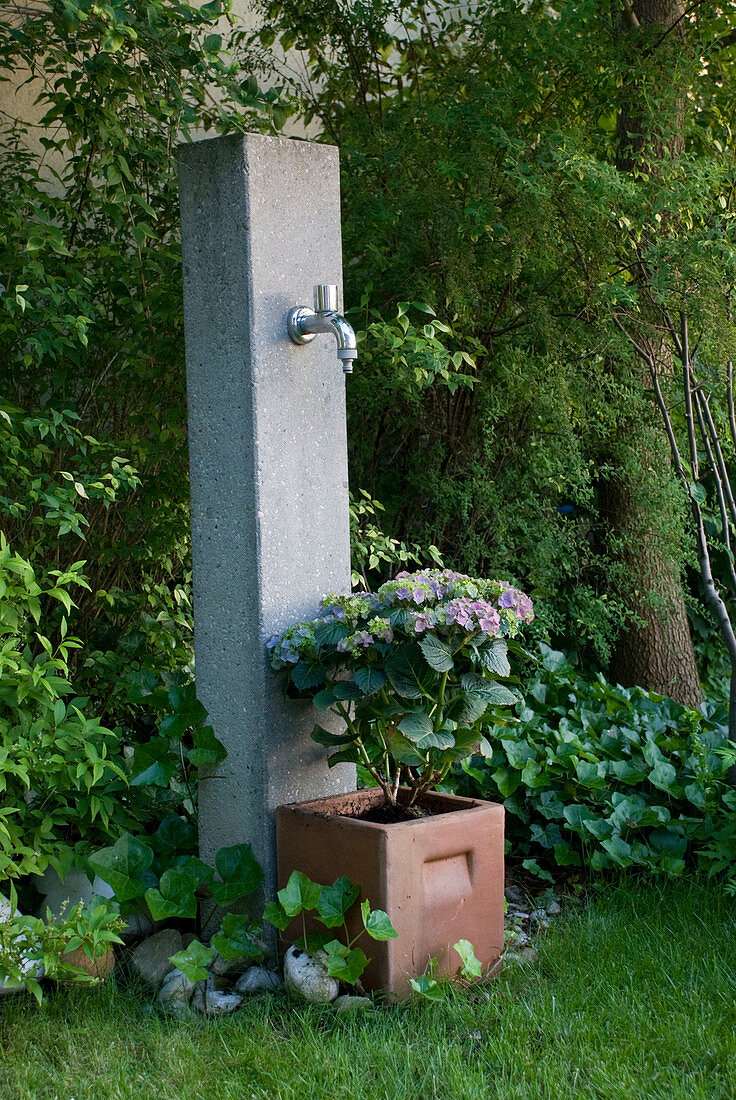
{"x":90,"y":338}
{"x":596,"y":775}
{"x":32,"y":948}
{"x":90,"y":317}
{"x":482,"y":173}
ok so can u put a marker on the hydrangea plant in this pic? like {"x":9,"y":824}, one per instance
{"x":410,"y":669}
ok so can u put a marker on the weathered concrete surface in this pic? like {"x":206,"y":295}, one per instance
{"x":268,"y":459}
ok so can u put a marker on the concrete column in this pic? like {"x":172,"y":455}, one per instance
{"x":268,"y":461}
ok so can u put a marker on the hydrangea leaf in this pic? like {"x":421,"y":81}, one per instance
{"x":437,"y":653}
{"x":494,"y":657}
{"x":369,"y":680}
{"x":416,"y":725}
{"x":347,"y":690}
{"x":306,"y":675}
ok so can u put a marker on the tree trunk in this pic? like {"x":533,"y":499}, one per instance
{"x":658,"y":655}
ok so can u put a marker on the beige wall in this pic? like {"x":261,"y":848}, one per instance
{"x":18,"y":96}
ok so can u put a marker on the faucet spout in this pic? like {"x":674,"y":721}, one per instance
{"x":347,"y":348}
{"x":304,"y":324}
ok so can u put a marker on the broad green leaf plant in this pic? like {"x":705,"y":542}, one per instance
{"x":161,"y":876}
{"x":56,"y":763}
{"x":329,"y":906}
{"x":411,"y":670}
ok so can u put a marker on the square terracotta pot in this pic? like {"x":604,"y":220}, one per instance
{"x":440,"y":878}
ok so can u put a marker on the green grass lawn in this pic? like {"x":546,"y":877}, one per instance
{"x":632,"y":996}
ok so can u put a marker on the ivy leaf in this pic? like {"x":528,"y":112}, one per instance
{"x":377,"y":923}
{"x":618,"y":849}
{"x":437,"y":653}
{"x":208,"y":750}
{"x":299,"y":894}
{"x":471,"y":966}
{"x":174,"y":834}
{"x":237,"y":939}
{"x":154,"y":764}
{"x":275,"y":914}
{"x":336,"y":900}
{"x":199,"y":870}
{"x":174,"y":896}
{"x":123,"y":866}
{"x":663,"y":775}
{"x":194,"y":960}
{"x":240,"y":872}
{"x":345,"y":964}
{"x":427,"y":987}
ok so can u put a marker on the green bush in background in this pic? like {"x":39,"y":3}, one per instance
{"x":603,"y":777}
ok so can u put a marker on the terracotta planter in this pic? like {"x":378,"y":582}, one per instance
{"x":100,"y":968}
{"x":440,"y":878}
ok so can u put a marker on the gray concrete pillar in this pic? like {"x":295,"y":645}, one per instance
{"x":268,"y":460}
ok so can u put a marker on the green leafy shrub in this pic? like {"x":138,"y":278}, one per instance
{"x":329,"y":906}
{"x":411,"y":670}
{"x":608,"y":777}
{"x":31,"y":948}
{"x":159,"y":875}
{"x":56,"y":763}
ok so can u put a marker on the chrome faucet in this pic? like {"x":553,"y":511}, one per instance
{"x":303,"y":324}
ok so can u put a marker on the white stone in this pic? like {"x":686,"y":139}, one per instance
{"x":307,"y":976}
{"x":553,"y":909}
{"x":259,"y":980}
{"x":238,"y":965}
{"x":6,"y":908}
{"x":177,"y":989}
{"x":76,"y":887}
{"x":212,"y":1002}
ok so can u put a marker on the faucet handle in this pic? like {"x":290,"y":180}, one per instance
{"x":325,"y":298}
